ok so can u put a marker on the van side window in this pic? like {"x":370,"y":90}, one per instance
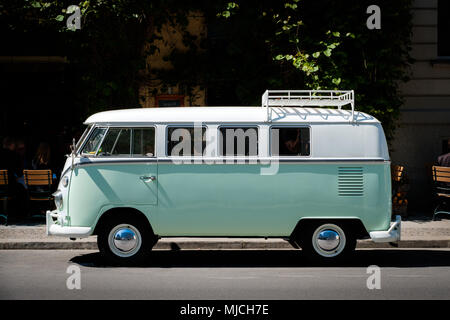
{"x":116,"y":142}
{"x":238,"y":141}
{"x":144,"y":142}
{"x":290,"y":141}
{"x":185,"y":141}
{"x":125,"y":142}
{"x":91,"y":146}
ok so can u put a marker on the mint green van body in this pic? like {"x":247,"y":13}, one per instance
{"x":230,"y":199}
{"x":344,"y":176}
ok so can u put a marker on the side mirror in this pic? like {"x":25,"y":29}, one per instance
{"x":73,"y":149}
{"x":73,"y":146}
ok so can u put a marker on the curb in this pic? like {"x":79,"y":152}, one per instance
{"x":211,"y":245}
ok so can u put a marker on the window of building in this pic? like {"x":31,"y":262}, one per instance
{"x":443,"y":28}
{"x":186,"y":141}
{"x":238,"y":141}
{"x":170,"y":100}
{"x":290,"y":141}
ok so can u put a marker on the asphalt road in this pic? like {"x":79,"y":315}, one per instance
{"x":233,"y":274}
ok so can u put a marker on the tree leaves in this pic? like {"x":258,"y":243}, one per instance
{"x":331,"y":48}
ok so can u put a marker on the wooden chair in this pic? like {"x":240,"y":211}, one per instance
{"x":39,"y":185}
{"x":397,"y":174}
{"x":4,"y":193}
{"x":441,"y":181}
{"x":399,"y":201}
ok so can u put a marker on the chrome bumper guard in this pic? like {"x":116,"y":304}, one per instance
{"x":53,"y":228}
{"x":391,"y":235}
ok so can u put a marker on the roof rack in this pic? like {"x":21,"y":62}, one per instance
{"x":307,"y":98}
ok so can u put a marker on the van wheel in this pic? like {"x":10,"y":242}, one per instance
{"x":327,"y":241}
{"x":124,"y":240}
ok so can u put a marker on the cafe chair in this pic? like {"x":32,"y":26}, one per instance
{"x":39,"y":186}
{"x":441,"y":184}
{"x":4,"y":194}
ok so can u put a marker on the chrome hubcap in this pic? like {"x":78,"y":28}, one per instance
{"x":125,"y":239}
{"x":328,"y":240}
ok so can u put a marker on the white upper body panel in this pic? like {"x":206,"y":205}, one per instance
{"x":228,"y":114}
{"x":333,"y":133}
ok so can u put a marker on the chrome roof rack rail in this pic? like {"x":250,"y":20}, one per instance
{"x":308,"y":98}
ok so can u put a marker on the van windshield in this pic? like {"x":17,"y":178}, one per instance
{"x":83,"y":136}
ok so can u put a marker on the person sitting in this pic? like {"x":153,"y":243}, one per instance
{"x":9,"y":160}
{"x":444,"y":160}
{"x":41,"y":160}
{"x":21,"y":151}
{"x":291,"y":145}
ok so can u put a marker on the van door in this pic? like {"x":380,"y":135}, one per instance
{"x":125,"y":182}
{"x":127,"y":168}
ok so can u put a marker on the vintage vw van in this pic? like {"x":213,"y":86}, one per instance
{"x":299,"y":167}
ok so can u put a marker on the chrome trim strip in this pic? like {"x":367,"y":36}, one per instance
{"x":231,"y":161}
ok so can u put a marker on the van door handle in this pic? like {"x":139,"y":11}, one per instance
{"x":147,"y":179}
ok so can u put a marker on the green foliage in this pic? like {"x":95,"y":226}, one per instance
{"x":106,"y":56}
{"x":327,"y":44}
{"x":230,"y":9}
{"x":251,"y":46}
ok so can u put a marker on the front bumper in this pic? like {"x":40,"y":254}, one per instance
{"x":53,"y":228}
{"x":391,"y":235}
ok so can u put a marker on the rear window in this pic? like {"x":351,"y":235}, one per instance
{"x":290,"y":141}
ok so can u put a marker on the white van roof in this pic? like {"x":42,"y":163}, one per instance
{"x":228,"y":115}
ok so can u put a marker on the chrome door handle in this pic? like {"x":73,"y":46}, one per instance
{"x":147,"y":179}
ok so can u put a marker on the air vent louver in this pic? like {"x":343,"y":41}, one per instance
{"x":350,"y":181}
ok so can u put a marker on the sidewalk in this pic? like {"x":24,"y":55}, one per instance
{"x":422,"y":233}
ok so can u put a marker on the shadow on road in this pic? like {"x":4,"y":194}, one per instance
{"x":276,"y":259}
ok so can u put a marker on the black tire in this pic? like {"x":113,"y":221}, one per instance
{"x":144,"y":239}
{"x":307,"y":239}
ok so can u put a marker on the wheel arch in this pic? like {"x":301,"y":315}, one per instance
{"x":354,"y":224}
{"x":122,"y":211}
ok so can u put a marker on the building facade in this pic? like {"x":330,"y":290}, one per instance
{"x":424,"y":126}
{"x":423,"y":131}
{"x":153,"y":91}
